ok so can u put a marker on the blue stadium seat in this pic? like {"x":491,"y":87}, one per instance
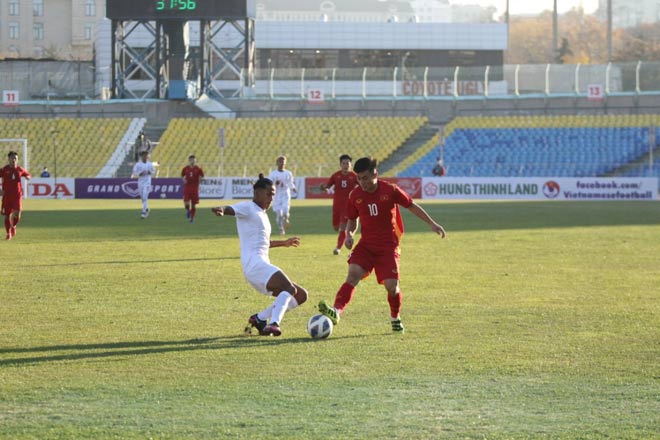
{"x":542,"y":152}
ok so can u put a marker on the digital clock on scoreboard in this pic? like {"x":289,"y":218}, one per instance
{"x":178,"y":9}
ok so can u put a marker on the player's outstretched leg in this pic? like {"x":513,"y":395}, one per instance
{"x":8,"y":226}
{"x":328,"y":311}
{"x":340,"y":240}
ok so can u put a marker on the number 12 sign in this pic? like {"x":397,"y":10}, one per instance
{"x":315,"y":96}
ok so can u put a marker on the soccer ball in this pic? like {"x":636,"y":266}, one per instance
{"x":319,"y":327}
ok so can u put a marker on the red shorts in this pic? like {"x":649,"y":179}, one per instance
{"x":191,"y":195}
{"x":11,"y":204}
{"x":385,"y":262}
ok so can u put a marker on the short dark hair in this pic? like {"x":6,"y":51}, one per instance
{"x":192,"y":156}
{"x":12,"y":153}
{"x":365,"y":164}
{"x":262,"y":182}
{"x":344,"y":157}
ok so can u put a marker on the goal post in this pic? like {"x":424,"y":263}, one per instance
{"x":22,"y":145}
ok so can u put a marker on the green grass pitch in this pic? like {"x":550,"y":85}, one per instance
{"x":530,"y":320}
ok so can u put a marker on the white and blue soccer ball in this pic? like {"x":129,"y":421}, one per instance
{"x":319,"y":327}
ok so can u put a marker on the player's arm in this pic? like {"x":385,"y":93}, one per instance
{"x":223,"y":210}
{"x":351,"y":227}
{"x":293,"y":185}
{"x":420,"y":213}
{"x":26,"y":175}
{"x":136,"y":171}
{"x":325,"y":186}
{"x":289,"y":242}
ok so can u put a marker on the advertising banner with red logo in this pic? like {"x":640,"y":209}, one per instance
{"x":313,"y":188}
{"x":50,"y":188}
{"x":411,"y":185}
{"x":541,"y":188}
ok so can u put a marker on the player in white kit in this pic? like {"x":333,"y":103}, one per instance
{"x":143,"y":170}
{"x":284,"y":184}
{"x":254,"y":234}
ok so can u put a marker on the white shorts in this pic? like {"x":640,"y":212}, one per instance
{"x":144,"y":190}
{"x":258,"y":272}
{"x":281,"y":207}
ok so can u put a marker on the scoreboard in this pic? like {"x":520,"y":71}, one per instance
{"x":179,"y":9}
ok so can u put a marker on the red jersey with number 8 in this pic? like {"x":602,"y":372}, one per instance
{"x":379,"y":214}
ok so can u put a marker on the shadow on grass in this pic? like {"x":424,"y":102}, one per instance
{"x":141,"y":348}
{"x":131,"y":262}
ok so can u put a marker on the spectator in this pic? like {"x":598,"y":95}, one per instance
{"x":45,"y":172}
{"x":439,"y":169}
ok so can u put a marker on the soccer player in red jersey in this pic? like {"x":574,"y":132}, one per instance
{"x":343,"y":182}
{"x":12,"y":193}
{"x":191,"y":174}
{"x":375,"y":203}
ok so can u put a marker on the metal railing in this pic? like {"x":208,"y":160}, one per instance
{"x":78,"y":80}
{"x":403,"y":83}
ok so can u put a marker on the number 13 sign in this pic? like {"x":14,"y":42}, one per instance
{"x":595,"y":92}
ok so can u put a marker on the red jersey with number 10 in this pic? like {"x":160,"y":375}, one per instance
{"x":192,"y":176}
{"x":379,"y":214}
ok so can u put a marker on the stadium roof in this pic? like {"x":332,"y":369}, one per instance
{"x":375,"y":6}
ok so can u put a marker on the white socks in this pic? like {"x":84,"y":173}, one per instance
{"x":280,"y":306}
{"x":269,"y":312}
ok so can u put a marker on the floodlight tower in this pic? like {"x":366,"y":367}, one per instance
{"x":164,"y":60}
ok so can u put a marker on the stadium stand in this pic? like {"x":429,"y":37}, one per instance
{"x":312,"y":145}
{"x":429,"y":148}
{"x":68,"y":147}
{"x":558,"y":146}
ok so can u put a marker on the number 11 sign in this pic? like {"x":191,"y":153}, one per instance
{"x":10,"y":97}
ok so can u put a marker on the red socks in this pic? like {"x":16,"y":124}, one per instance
{"x":395,"y":304}
{"x":7,"y":223}
{"x":193,"y":210}
{"x":344,"y":296}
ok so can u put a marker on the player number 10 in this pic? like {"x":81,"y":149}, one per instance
{"x":373,"y":209}
{"x":182,"y":5}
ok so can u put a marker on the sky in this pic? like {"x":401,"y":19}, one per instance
{"x":532,"y":6}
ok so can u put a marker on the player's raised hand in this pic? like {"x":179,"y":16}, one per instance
{"x":218,"y":210}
